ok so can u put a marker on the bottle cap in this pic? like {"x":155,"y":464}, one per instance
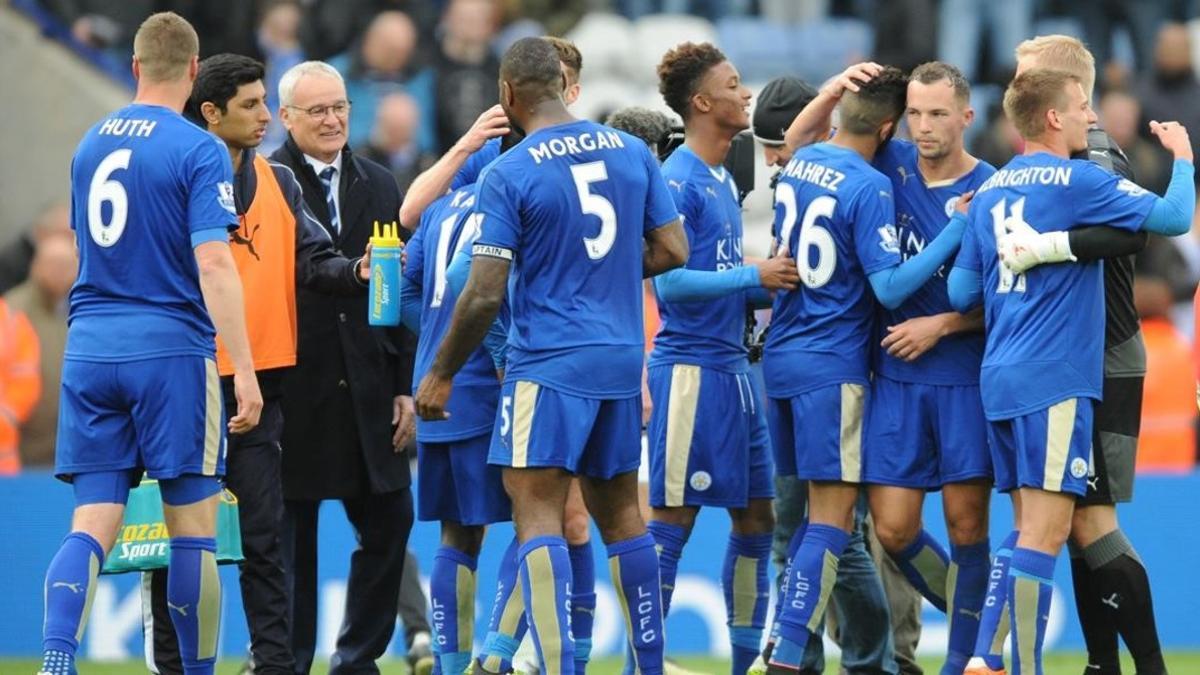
{"x":389,"y":238}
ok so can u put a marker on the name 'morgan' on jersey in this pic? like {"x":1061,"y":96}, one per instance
{"x":922,"y":211}
{"x":1045,"y":339}
{"x":834,"y":214}
{"x":570,"y":205}
{"x":147,"y":186}
{"x":707,"y":333}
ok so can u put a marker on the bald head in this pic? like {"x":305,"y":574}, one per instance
{"x":531,"y":72}
{"x":389,"y":42}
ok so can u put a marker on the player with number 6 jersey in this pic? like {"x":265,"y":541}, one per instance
{"x":152,"y":206}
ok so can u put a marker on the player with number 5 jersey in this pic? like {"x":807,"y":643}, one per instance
{"x":580,"y":213}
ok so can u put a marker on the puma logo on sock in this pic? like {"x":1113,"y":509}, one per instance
{"x":73,"y":587}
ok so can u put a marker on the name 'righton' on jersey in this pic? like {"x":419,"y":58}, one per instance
{"x":574,"y":145}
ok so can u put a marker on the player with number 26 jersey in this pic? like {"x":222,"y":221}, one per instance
{"x":573,"y":202}
{"x":147,"y":188}
{"x":834,"y":213}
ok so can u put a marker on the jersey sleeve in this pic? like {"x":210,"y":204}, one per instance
{"x":968,"y":252}
{"x":874,"y":221}
{"x":210,"y":188}
{"x":661,"y":208}
{"x":468,"y":173}
{"x":1103,"y":198}
{"x":500,"y":224}
{"x":414,"y":250}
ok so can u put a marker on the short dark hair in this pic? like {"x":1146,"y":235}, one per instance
{"x":532,"y":68}
{"x":876,"y":102}
{"x":936,"y":71}
{"x":681,"y":70}
{"x":1031,"y":94}
{"x":568,"y":53}
{"x":649,"y":125}
{"x":218,"y":80}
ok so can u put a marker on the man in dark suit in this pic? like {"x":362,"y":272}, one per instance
{"x":347,"y":403}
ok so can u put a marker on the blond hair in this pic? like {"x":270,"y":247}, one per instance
{"x":164,"y":46}
{"x":1061,"y":52}
{"x":1031,"y":94}
{"x":569,"y":54}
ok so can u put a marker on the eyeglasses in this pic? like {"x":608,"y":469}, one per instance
{"x":317,"y":113}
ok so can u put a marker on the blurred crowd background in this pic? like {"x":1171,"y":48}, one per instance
{"x":418,"y":73}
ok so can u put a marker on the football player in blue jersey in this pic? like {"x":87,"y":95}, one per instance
{"x":1043,"y":363}
{"x":581,"y":213}
{"x":708,"y":437}
{"x":457,"y":485}
{"x":835,"y":214}
{"x":925,"y":427}
{"x":152,"y":206}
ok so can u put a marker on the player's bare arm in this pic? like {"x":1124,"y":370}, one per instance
{"x":222,"y":289}
{"x":473,"y":316}
{"x":815,"y":120}
{"x":435,"y":181}
{"x":666,"y":248}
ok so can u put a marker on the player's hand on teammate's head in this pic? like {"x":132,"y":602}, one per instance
{"x":1174,"y":137}
{"x":249,"y":403}
{"x":964,"y":202}
{"x":852,"y":77}
{"x":490,"y":124}
{"x":431,"y":398}
{"x":778,"y":272}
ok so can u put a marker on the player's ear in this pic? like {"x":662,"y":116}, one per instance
{"x":968,"y":116}
{"x":137,"y":68}
{"x":194,"y":68}
{"x":506,"y":94}
{"x":210,"y":113}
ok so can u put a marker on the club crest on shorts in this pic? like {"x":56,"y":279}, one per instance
{"x":700,"y":481}
{"x":1079,"y":467}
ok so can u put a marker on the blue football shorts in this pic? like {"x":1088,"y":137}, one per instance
{"x":164,"y":415}
{"x":818,"y":434}
{"x":708,"y":439}
{"x":1049,"y":449}
{"x":541,"y":427}
{"x":925,"y":435}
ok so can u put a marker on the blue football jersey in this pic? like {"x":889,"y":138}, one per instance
{"x":570,"y":205}
{"x":468,"y":173}
{"x":834,"y":213}
{"x":1045,"y":328}
{"x":707,"y":333}
{"x":447,"y":225}
{"x":146,"y":184}
{"x":922,"y":211}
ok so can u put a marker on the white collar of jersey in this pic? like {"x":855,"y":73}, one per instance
{"x":718,"y":172}
{"x":319,"y":166}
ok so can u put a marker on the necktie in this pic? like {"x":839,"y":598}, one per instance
{"x":327,"y":180}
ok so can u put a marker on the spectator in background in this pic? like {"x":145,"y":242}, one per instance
{"x":1121,"y":116}
{"x":1101,"y":18}
{"x":279,"y":41}
{"x":42,"y":298}
{"x":963,"y":26}
{"x":103,"y":24}
{"x":904,"y":36}
{"x":999,"y":141}
{"x":1171,"y":92}
{"x":394,"y":139}
{"x":20,"y":385}
{"x":1168,"y":436}
{"x":466,"y":67}
{"x":331,"y":26}
{"x":16,"y":256}
{"x":386,"y":62}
